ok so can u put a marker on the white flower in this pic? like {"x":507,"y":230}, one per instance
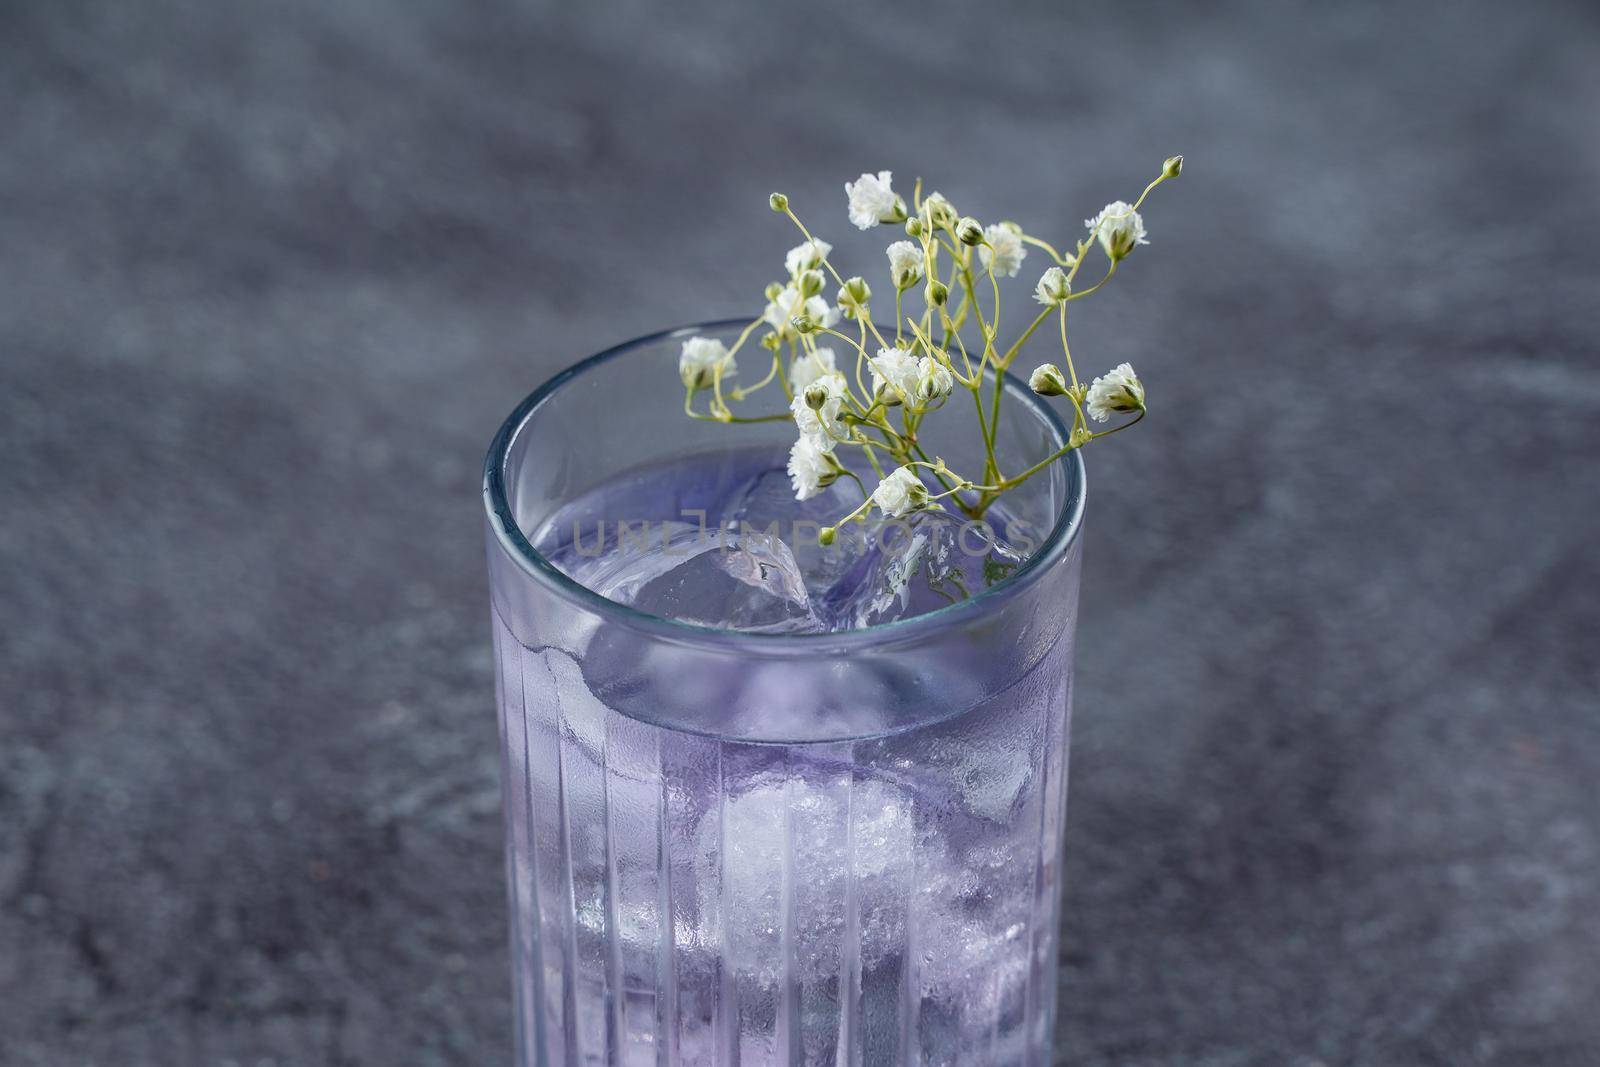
{"x":900,"y":493}
{"x":822,"y":423}
{"x":1047,"y":380}
{"x":808,"y":368}
{"x":811,"y":467}
{"x":701,"y":357}
{"x":934,"y":380}
{"x":1118,"y":391}
{"x":872,"y":201}
{"x":895,"y":369}
{"x":806,"y":256}
{"x":1118,"y":227}
{"x":905,"y":263}
{"x":790,"y":302}
{"x":1004,"y":252}
{"x":1053,"y":287}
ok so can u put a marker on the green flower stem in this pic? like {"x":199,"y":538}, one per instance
{"x":999,"y":391}
{"x":983,"y":428}
{"x":1109,"y":272}
{"x":1066,"y":350}
{"x":1017,"y":480}
{"x":927,"y":341}
{"x":807,"y":234}
{"x":966,"y":357}
{"x":971,"y":289}
{"x":742,"y":392}
{"x":719,"y":407}
{"x":727,"y":416}
{"x":783,"y":377}
{"x":837,"y":277}
{"x":861,"y":354}
{"x":866,"y":444}
{"x":858,"y":514}
{"x":1159,"y":179}
{"x":974,"y":379}
{"x":1004,"y":362}
{"x":1118,"y":429}
{"x":955,"y":322}
{"x":861,"y":357}
{"x":744,"y":335}
{"x":988,"y":340}
{"x":872,"y":458}
{"x":916,"y":448}
{"x":1061,"y":261}
{"x":866,"y":496}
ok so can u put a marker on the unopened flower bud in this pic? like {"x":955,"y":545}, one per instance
{"x":937,"y":293}
{"x":772,"y":290}
{"x":778,"y":202}
{"x":969,"y":231}
{"x":1172,"y":167}
{"x":934,"y":380}
{"x":1047,"y":380}
{"x":802,"y":324}
{"x":913,"y":227}
{"x":854,"y":297}
{"x":826,"y":535}
{"x":771,"y":342}
{"x":816,"y":395}
{"x":938,"y":211}
{"x":811,"y":282}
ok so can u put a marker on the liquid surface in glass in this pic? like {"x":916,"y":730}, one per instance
{"x":719,"y":540}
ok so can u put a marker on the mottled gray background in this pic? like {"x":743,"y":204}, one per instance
{"x":272,"y":274}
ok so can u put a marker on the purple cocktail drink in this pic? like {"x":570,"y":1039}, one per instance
{"x":769,"y":802}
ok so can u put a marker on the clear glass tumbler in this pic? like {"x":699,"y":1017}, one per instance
{"x":752,"y":848}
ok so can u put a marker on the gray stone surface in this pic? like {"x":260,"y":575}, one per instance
{"x":273,"y":273}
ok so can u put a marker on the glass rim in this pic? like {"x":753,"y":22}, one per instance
{"x":1069,"y":521}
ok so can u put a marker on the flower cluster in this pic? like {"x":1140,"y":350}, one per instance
{"x":870,"y":404}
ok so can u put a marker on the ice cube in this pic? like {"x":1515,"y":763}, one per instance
{"x":615,"y":562}
{"x":777,"y":826}
{"x":844,"y":855}
{"x":766,"y":503}
{"x":914,"y":566}
{"x":706,"y":575}
{"x":734,"y":581}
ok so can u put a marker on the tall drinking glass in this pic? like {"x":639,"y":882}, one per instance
{"x":730,"y":847}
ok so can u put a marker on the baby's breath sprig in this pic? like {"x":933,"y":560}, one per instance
{"x":872,"y":405}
